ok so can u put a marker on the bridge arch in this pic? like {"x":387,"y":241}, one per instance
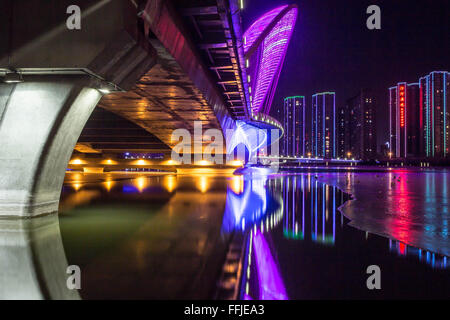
{"x":50,"y":82}
{"x":40,"y":125}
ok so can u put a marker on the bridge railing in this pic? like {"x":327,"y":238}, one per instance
{"x":271,"y":121}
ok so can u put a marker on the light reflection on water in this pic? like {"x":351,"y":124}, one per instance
{"x":312,"y":229}
{"x":145,"y":236}
{"x":410,"y":206}
{"x":295,"y":233}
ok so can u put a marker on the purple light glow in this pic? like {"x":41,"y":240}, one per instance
{"x":249,"y":135}
{"x":258,"y":27}
{"x":271,"y":285}
{"x":268,"y":59}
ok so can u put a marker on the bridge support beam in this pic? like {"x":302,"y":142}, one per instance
{"x":40,"y":122}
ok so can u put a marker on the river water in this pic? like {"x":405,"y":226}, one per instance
{"x":165,"y":237}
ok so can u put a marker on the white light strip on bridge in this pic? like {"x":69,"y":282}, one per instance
{"x":310,"y":159}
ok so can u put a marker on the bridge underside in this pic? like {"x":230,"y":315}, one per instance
{"x":163,"y":100}
{"x":106,"y":133}
{"x":143,"y":49}
{"x":198,"y":72}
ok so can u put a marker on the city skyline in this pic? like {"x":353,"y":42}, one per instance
{"x":331,"y":49}
{"x":418,"y":122}
{"x":419,"y":117}
{"x":322,"y":129}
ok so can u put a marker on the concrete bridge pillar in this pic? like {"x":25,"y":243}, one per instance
{"x":41,"y":118}
{"x":40,"y":122}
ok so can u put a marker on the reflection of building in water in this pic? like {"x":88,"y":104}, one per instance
{"x":430,"y":258}
{"x":310,"y":207}
{"x":309,"y":214}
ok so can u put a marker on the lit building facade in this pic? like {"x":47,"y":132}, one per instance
{"x":412,"y":120}
{"x":419,"y":117}
{"x":343,"y":132}
{"x":361,"y":128}
{"x":323,"y":125}
{"x":403,"y":120}
{"x":265,"y":45}
{"x":294,"y":126}
{"x":308,"y":131}
{"x":434,"y":118}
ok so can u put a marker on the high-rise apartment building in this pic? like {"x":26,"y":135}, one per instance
{"x":362,"y":126}
{"x":434,"y":116}
{"x":356,"y":123}
{"x":403,"y":120}
{"x":294,"y":126}
{"x":323,"y":125}
{"x":343,"y":132}
{"x":419,"y":117}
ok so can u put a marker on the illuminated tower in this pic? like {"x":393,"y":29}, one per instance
{"x":324,"y":125}
{"x":265,"y":45}
{"x":361,"y":127}
{"x":294,"y":126}
{"x":404,"y":120}
{"x":343,"y":132}
{"x":434,"y":114}
{"x":412,"y":119}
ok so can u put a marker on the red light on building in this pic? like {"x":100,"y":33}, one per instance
{"x":402,"y":106}
{"x":402,"y":248}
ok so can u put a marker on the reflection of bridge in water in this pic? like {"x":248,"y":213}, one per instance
{"x":32,"y":260}
{"x":190,"y":220}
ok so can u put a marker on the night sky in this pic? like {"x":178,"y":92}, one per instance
{"x":331,"y":48}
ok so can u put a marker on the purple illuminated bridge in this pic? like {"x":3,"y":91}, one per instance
{"x":160,"y":64}
{"x":265,"y":45}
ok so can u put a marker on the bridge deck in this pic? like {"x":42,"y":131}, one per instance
{"x":198,"y":73}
